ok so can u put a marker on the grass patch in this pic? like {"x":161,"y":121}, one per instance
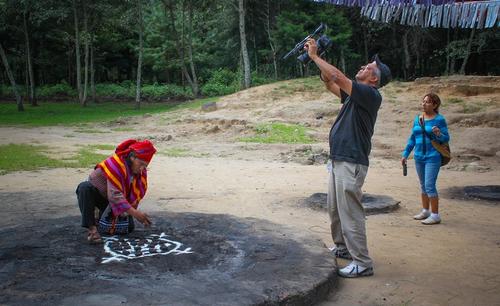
{"x":176,"y":152}
{"x":102,"y":147}
{"x":86,"y":157}
{"x":182,"y":152}
{"x":454,"y":100}
{"x":310,"y":84}
{"x":279,"y":133}
{"x":470,"y":108}
{"x":19,"y":157}
{"x":22,"y":157}
{"x":49,"y":114}
{"x":123,"y":129}
{"x":89,"y":131}
{"x":196,"y":104}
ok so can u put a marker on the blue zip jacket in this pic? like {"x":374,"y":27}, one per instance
{"x":416,"y":140}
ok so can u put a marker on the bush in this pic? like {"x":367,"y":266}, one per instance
{"x":260,"y":80}
{"x":61,"y":89}
{"x":166,"y":91}
{"x":114,"y":90}
{"x":222,"y":82}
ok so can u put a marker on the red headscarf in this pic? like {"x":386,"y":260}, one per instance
{"x":142,"y":149}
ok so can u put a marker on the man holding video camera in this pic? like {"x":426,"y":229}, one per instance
{"x":350,"y":145}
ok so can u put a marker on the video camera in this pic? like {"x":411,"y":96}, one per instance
{"x":323,"y":42}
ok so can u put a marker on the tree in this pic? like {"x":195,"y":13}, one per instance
{"x":12,"y":80}
{"x":139,"y":60}
{"x":31,"y":78}
{"x":243,"y":41}
{"x":77,"y":51}
{"x":180,"y":49}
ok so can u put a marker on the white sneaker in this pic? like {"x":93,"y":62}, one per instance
{"x":422,"y":216}
{"x":431,"y":220}
{"x":353,"y":270}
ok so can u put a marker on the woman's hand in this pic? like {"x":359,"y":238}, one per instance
{"x":140,"y":216}
{"x":436,"y":131}
{"x":403,"y":161}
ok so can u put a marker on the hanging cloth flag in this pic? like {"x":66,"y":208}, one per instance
{"x":429,"y":13}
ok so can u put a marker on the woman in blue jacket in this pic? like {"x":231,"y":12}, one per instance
{"x":427,"y":159}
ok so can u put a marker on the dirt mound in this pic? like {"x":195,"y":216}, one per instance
{"x":460,"y":85}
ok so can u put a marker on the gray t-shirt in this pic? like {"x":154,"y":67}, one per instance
{"x":351,"y":133}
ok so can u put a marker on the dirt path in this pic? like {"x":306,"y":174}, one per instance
{"x":454,"y":263}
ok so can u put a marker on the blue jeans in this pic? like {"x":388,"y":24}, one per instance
{"x":427,"y":174}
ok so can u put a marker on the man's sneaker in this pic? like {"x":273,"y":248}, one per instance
{"x":353,"y":270}
{"x":422,"y":216}
{"x":432,"y":220}
{"x":341,"y":252}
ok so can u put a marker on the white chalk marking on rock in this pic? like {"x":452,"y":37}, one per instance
{"x":120,"y":249}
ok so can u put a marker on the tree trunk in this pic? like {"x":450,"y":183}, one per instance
{"x":467,"y":54}
{"x":447,"y":67}
{"x":180,"y":51}
{"x":243,"y":40}
{"x":365,"y":43}
{"x":32,"y":96}
{"x":267,"y":24}
{"x":195,"y":86}
{"x":139,"y":61}
{"x":5,"y":61}
{"x":92,"y":69}
{"x":77,"y":49}
{"x":86,"y":69}
{"x":407,"y":56}
{"x":454,"y":58}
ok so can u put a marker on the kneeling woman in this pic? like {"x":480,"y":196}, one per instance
{"x":115,"y":187}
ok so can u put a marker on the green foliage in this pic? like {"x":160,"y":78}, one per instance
{"x":260,"y":79}
{"x":222,"y":82}
{"x":61,"y":89}
{"x":124,"y":90}
{"x":279,"y":133}
{"x":166,"y":91}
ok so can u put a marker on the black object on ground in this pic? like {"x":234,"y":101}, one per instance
{"x":373,"y":204}
{"x":218,"y":260}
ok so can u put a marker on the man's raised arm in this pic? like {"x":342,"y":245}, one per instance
{"x":329,"y":72}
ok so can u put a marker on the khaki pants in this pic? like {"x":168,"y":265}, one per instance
{"x":347,"y":214}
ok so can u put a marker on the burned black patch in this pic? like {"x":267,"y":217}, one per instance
{"x":184,"y":258}
{"x":489,"y":194}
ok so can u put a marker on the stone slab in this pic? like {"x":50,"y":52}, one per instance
{"x":183,"y":259}
{"x":373,"y":204}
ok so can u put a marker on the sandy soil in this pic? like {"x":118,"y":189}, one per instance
{"x":454,"y":263}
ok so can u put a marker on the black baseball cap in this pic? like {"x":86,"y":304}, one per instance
{"x":385,"y":72}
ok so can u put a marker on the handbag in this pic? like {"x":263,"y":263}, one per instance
{"x":442,"y":148}
{"x":111,"y":225}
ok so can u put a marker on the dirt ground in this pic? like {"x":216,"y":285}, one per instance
{"x":453,"y":263}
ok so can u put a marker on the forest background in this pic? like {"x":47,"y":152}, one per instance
{"x":163,"y":50}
